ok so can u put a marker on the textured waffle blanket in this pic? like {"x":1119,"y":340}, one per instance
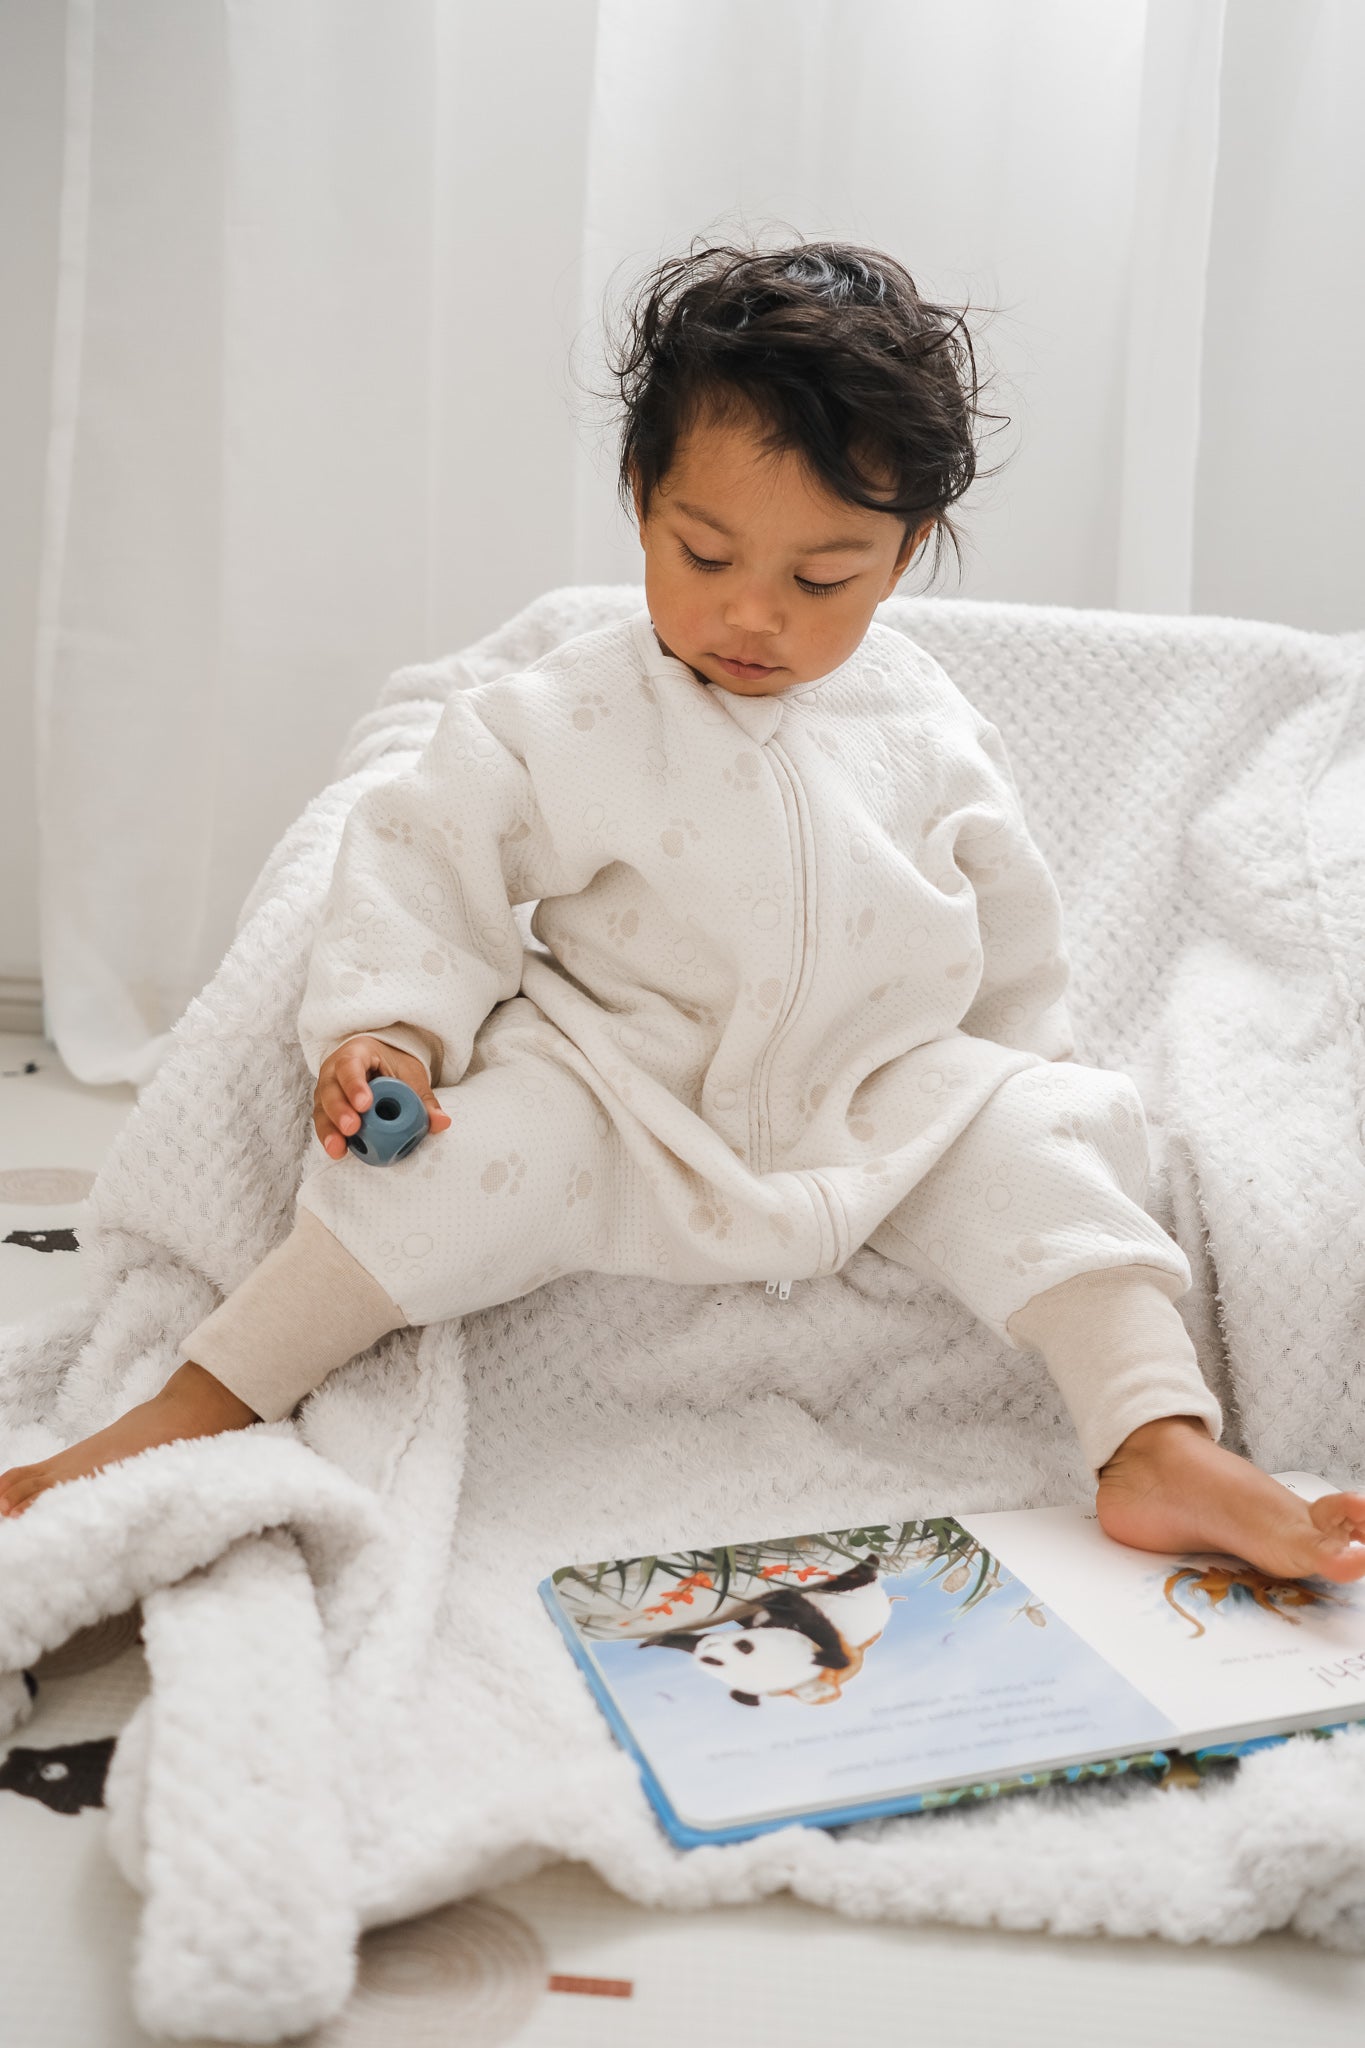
{"x":358,"y":1708}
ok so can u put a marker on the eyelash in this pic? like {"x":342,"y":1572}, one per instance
{"x":811,"y":589}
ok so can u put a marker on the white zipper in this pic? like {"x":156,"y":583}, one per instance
{"x":781,"y":1288}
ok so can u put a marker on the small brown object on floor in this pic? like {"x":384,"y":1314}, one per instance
{"x":593,"y":1987}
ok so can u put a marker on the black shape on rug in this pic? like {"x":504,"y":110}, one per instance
{"x":66,"y":1778}
{"x":44,"y":1240}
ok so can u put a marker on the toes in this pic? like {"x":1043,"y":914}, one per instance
{"x":12,"y":1487}
{"x":25,"y":1484}
{"x":1339,"y":1529}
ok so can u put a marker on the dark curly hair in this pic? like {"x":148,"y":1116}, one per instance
{"x":834,"y":349}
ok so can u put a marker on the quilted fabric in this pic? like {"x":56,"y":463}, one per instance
{"x":358,"y":1708}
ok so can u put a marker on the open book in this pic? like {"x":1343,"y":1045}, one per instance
{"x":830,"y":1678}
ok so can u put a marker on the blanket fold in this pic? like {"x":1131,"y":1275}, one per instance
{"x":358,"y":1708}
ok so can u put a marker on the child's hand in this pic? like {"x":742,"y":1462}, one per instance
{"x":342,"y":1089}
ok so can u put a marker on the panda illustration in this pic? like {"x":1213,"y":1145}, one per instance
{"x":806,"y":1645}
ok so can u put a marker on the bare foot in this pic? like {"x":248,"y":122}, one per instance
{"x":192,"y":1403}
{"x":1169,"y":1486}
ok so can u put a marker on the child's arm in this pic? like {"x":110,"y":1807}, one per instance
{"x":1021,"y":999}
{"x":418,"y":920}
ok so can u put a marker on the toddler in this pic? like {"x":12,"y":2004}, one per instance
{"x":801,"y":982}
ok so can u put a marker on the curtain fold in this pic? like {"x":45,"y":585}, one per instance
{"x":328,"y":369}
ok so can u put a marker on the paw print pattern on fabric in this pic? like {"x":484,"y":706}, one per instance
{"x":353,"y":979}
{"x":766,"y":897}
{"x":884,"y":988}
{"x":763,"y":997}
{"x":404,"y":1259}
{"x":673,"y":839}
{"x":710,"y":1218}
{"x":858,"y":930}
{"x":688,"y":957}
{"x":745,"y":772}
{"x":503,"y":1176}
{"x":427,"y":903}
{"x":647,"y":690}
{"x":808,"y":1104}
{"x":589,"y":709}
{"x":453,"y":835}
{"x":656,"y":765}
{"x":475,"y":750}
{"x":578,"y":1187}
{"x":782,"y":1227}
{"x":360,"y":925}
{"x":396,"y":831}
{"x":439,"y":960}
{"x":622,"y":925}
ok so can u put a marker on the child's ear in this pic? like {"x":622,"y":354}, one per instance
{"x":910,"y":547}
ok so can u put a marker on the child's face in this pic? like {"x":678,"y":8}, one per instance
{"x":757,"y":607}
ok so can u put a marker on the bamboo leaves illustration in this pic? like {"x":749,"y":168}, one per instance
{"x":695,"y":1589}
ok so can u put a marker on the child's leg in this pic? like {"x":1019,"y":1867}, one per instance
{"x":1052,"y":1173}
{"x":524,"y":1185}
{"x":307,"y":1308}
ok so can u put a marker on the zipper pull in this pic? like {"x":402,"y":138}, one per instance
{"x":781,"y":1288}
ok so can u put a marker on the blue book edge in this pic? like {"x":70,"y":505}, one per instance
{"x":1150,"y":1762}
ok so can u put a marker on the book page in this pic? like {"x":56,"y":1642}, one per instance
{"x":1218,"y":1646}
{"x":826,"y":1671}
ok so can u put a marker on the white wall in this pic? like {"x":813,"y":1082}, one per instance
{"x":31,"y":43}
{"x":1284,"y":323}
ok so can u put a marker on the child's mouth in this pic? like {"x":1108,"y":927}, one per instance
{"x":745,"y":669}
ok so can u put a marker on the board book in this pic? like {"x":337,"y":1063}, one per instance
{"x":830,"y":1678}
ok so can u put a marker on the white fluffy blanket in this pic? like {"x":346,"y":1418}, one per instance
{"x":358,"y":1707}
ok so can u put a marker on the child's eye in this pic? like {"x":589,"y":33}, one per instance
{"x":813,"y":589}
{"x":699,"y":561}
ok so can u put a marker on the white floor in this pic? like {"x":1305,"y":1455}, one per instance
{"x":494,"y":1969}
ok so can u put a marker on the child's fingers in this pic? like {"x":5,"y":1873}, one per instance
{"x":329,"y":1137}
{"x":353,"y":1069}
{"x":435,"y":1114}
{"x":333,"y":1101}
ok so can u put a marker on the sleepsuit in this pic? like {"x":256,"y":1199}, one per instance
{"x":799,"y":986}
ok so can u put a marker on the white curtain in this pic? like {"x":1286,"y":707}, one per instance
{"x":331,"y":283}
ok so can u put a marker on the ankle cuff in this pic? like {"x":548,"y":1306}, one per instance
{"x":1115,"y":1345}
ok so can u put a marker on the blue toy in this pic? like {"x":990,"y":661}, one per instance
{"x":394,"y":1124}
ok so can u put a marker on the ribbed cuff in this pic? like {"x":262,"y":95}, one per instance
{"x":306,"y":1309}
{"x":1115,"y":1344}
